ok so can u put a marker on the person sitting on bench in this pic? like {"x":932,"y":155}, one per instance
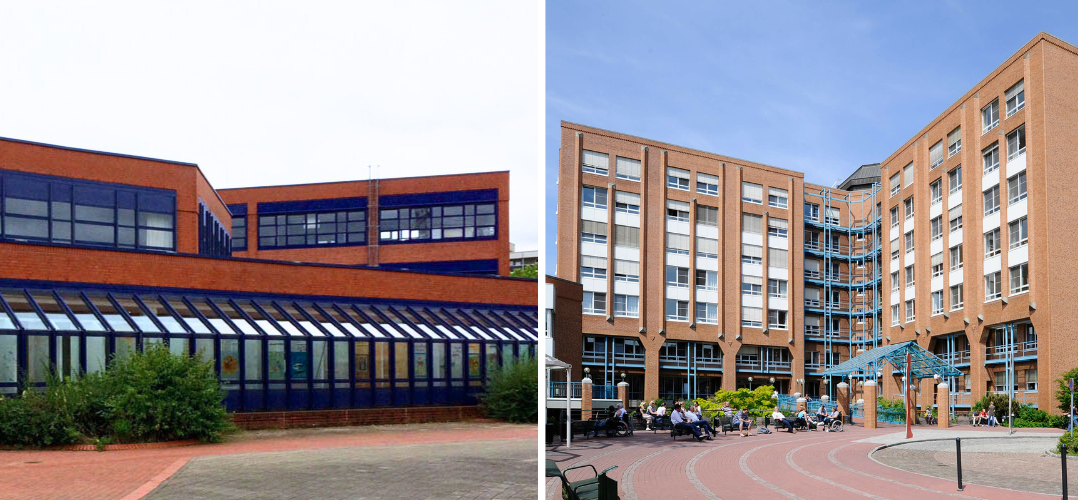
{"x":680,"y":421}
{"x":929,"y":419}
{"x":821,"y":414}
{"x":693,"y":417}
{"x":648,"y":414}
{"x":802,"y":419}
{"x":780,"y":419}
{"x":743,"y":422}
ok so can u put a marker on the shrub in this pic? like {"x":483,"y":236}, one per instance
{"x":29,"y":421}
{"x":1063,"y":390}
{"x":1000,"y":400}
{"x":158,"y":396}
{"x":1070,"y":443}
{"x":511,"y":391}
{"x":757,"y":402}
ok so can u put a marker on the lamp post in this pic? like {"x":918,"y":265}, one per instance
{"x":750,"y":383}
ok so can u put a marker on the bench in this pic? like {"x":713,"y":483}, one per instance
{"x":726,"y":424}
{"x":598,"y":487}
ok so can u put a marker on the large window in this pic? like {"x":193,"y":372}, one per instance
{"x":956,"y":257}
{"x":937,"y":302}
{"x":627,"y":306}
{"x":83,"y":213}
{"x":991,"y":243}
{"x":776,"y":228}
{"x":752,"y":223}
{"x":955,"y":215}
{"x":956,"y":297}
{"x":954,"y":142}
{"x":777,"y":197}
{"x":936,"y":191}
{"x":624,"y":236}
{"x":1016,"y":188}
{"x":627,"y":169}
{"x":707,"y":247}
{"x":777,"y":258}
{"x":1019,"y":233}
{"x":776,"y":289}
{"x":907,"y":175}
{"x":708,"y":216}
{"x":592,"y":267}
{"x":812,"y":211}
{"x":894,"y":216}
{"x":213,"y":238}
{"x":594,"y":197}
{"x":677,"y":178}
{"x":707,"y":313}
{"x":1016,"y":142}
{"x":625,"y":202}
{"x":908,"y":205}
{"x":677,"y":277}
{"x":1019,"y":278}
{"x":752,"y":285}
{"x":910,"y":310}
{"x":677,"y":244}
{"x":677,"y":310}
{"x":596,"y":163}
{"x":991,"y":201}
{"x":707,"y":280}
{"x":752,"y":193}
{"x":935,"y":154}
{"x":991,"y":158}
{"x":776,"y":319}
{"x":895,"y":183}
{"x":751,"y":316}
{"x":936,"y":225}
{"x":954,"y":179}
{"x":677,"y":211}
{"x":433,"y":223}
{"x":895,"y":318}
{"x":989,"y":116}
{"x":627,"y":271}
{"x":1016,"y":98}
{"x":707,"y":184}
{"x":937,"y":265}
{"x":751,"y":254}
{"x":594,"y":303}
{"x":909,"y":242}
{"x":991,"y":286}
{"x":593,"y":232}
{"x":910,"y":275}
{"x":239,"y":232}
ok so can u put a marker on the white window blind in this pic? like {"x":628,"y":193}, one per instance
{"x":812,"y":294}
{"x":594,"y":262}
{"x":752,"y":314}
{"x":752,"y":191}
{"x":907,"y":175}
{"x":812,"y":265}
{"x":935,"y":154}
{"x":677,"y":172}
{"x":680,"y":206}
{"x":937,"y":260}
{"x":624,"y":197}
{"x":753,"y":280}
{"x":812,"y":321}
{"x":1018,"y":87}
{"x":627,"y":168}
{"x":707,"y":245}
{"x":894,"y":182}
{"x":592,"y":227}
{"x":625,"y":236}
{"x":597,"y":160}
{"x":627,"y":267}
{"x":776,"y":257}
{"x":752,"y":251}
{"x":777,"y":223}
{"x":752,"y":223}
{"x":955,"y":212}
{"x":707,"y":178}
{"x":954,"y":137}
{"x":677,"y":241}
{"x":777,"y":192}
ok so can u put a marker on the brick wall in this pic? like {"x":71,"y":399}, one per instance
{"x":372,"y":416}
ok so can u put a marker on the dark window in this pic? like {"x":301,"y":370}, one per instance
{"x":239,"y":232}
{"x":336,"y":228}
{"x":444,"y":222}
{"x":213,"y":239}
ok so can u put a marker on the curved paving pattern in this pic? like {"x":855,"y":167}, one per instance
{"x":810,"y":466}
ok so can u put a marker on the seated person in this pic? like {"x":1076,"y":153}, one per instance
{"x":928,"y":417}
{"x":981,"y":418}
{"x":780,"y":419}
{"x":801,"y":421}
{"x":743,"y":422}
{"x":680,"y":421}
{"x":835,"y":415}
{"x":727,"y":410}
{"x":618,"y":415}
{"x":648,"y":414}
{"x":694,"y":419}
{"x":821,"y":414}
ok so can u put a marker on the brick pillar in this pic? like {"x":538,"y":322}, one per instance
{"x":585,"y":399}
{"x":870,"y":404}
{"x":942,"y":397}
{"x":623,"y":393}
{"x":843,"y":398}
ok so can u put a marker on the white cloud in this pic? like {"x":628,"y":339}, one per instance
{"x":259,"y":93}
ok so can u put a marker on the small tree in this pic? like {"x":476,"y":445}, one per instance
{"x":757,"y":402}
{"x":1063,"y":390}
{"x":529,"y":271}
{"x":511,"y":391}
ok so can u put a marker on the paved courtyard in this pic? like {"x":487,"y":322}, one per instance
{"x":446,"y":460}
{"x":817,"y":465}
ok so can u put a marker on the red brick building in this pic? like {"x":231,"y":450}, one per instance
{"x":703,"y":272}
{"x":336,"y":295}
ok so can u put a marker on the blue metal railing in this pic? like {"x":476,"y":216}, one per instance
{"x":788,"y":402}
{"x":557,"y":391}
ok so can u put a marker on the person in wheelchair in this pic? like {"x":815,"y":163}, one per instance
{"x":834,"y":416}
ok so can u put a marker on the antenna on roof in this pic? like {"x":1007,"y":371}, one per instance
{"x":837,"y":181}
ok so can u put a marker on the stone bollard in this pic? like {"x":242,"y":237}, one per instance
{"x":843,"y":398}
{"x":942,"y":398}
{"x":623,"y":393}
{"x":870,"y":404}
{"x":585,"y":399}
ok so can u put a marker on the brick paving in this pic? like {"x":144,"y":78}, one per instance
{"x":806,"y":465}
{"x":123,"y":474}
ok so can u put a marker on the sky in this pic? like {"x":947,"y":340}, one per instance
{"x":818,"y":87}
{"x":265,"y":93}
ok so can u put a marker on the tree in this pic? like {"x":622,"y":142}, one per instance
{"x":1063,"y":390}
{"x":529,"y":271}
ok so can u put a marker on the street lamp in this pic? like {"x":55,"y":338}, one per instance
{"x":750,"y":383}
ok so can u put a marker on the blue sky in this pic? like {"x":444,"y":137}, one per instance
{"x":818,"y":87}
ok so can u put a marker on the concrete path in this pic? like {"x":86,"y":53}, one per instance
{"x":132,"y":474}
{"x":806,"y":465}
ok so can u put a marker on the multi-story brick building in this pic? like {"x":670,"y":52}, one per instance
{"x":337,"y":295}
{"x":702,"y":271}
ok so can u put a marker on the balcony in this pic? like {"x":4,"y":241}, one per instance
{"x":557,"y":391}
{"x":594,"y":357}
{"x":954,"y":358}
{"x":813,"y":367}
{"x":1021,"y":397}
{"x":628,"y":358}
{"x":1020,"y":350}
{"x":668,"y":361}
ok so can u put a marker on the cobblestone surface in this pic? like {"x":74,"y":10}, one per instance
{"x":494,"y":470}
{"x":1017,"y":464}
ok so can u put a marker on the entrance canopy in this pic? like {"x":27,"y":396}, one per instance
{"x":923,"y":364}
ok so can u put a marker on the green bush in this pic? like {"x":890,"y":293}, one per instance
{"x":1071,"y":443}
{"x":757,"y":402}
{"x":150,"y":396}
{"x":1063,"y":390}
{"x":511,"y":392}
{"x":1000,"y":400}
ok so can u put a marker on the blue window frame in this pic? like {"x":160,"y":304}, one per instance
{"x":315,"y":223}
{"x":449,"y":216}
{"x":239,"y":226}
{"x":74,"y":212}
{"x":270,"y":352}
{"x":213,"y":238}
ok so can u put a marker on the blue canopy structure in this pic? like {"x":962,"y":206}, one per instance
{"x":923,"y":364}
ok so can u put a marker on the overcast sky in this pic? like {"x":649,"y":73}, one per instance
{"x":261,"y":93}
{"x":819,"y":87}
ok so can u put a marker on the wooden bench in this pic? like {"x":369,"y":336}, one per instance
{"x":598,"y":487}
